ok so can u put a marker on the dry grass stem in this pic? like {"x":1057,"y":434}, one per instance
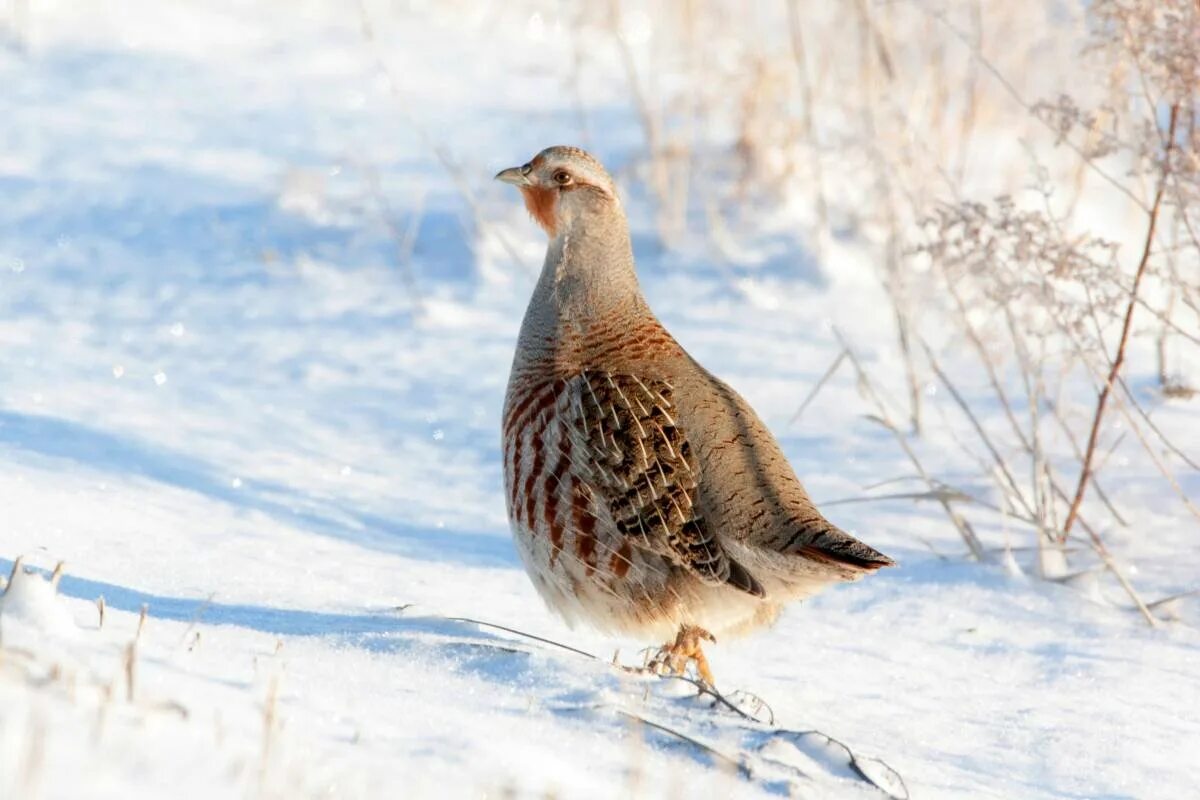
{"x":964,"y":528}
{"x":1119,"y":359}
{"x":812,"y":393}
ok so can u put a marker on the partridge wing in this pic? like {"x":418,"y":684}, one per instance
{"x":637,"y":460}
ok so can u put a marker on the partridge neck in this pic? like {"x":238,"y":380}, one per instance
{"x":588,"y":285}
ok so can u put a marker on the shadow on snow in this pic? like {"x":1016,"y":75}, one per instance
{"x":128,"y":457}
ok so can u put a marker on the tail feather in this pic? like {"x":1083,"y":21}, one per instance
{"x":829,"y":544}
{"x":740,"y":578}
{"x":863,"y":557}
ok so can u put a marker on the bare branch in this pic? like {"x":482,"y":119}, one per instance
{"x":1126,"y":326}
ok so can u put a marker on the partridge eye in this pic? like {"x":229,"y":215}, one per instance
{"x":562,"y":177}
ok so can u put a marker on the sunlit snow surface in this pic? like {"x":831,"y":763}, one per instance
{"x":221,"y":400}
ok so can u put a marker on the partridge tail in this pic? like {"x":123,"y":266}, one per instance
{"x":864,"y":557}
{"x":829,"y":544}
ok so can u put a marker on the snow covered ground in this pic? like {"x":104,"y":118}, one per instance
{"x":231,"y":394}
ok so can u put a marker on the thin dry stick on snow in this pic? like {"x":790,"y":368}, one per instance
{"x":269,"y":731}
{"x":1043,"y":524}
{"x":873,"y":50}
{"x":1163,"y":469}
{"x":857,"y":765}
{"x":33,"y":761}
{"x":855,"y":762}
{"x":16,"y":567}
{"x":1163,"y":601}
{"x":1031,"y":443}
{"x":404,"y":239}
{"x":197,"y":615}
{"x":964,"y":528}
{"x":970,"y":90}
{"x":947,"y":493}
{"x":721,"y":758}
{"x":671,"y":195}
{"x":1162,"y":437}
{"x":130,"y":664}
{"x":1060,"y":492}
{"x":812,"y":393}
{"x":1096,"y":540}
{"x":56,"y":576}
{"x":131,"y":655}
{"x":808,"y":111}
{"x":1020,"y":100}
{"x":1009,"y":483}
{"x":12,"y":576}
{"x":443,"y":157}
{"x":1127,"y":325}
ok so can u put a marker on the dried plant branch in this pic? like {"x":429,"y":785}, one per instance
{"x":404,"y":239}
{"x":197,"y":615}
{"x":989,"y":366}
{"x":669,"y":216}
{"x":947,"y":493}
{"x":722,"y":700}
{"x":1162,"y":437}
{"x":1117,"y":573}
{"x":1163,"y":469}
{"x":1172,"y":598}
{"x":1014,"y":93}
{"x":530,"y":636}
{"x":452,"y":168}
{"x":873,"y":50}
{"x":963,"y":527}
{"x":999,"y":461}
{"x":1126,"y":326}
{"x":739,"y":765}
{"x":800,"y":56}
{"x":1061,"y":493}
{"x":812,"y":393}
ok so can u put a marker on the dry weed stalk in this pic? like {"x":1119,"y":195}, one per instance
{"x":668,"y":157}
{"x":440,"y":153}
{"x":1119,"y":360}
{"x":270,"y":732}
{"x":131,"y":657}
{"x":807,"y":110}
{"x":1026,"y":287}
{"x":16,"y":27}
{"x":964,"y":528}
{"x":404,"y":238}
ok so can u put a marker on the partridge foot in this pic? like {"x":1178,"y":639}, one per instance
{"x":673,"y":659}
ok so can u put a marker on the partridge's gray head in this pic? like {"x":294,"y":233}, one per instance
{"x":562,"y":185}
{"x":645,"y":495}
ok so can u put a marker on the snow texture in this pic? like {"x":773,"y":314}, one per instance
{"x":228,"y":397}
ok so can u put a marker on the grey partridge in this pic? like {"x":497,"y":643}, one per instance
{"x":645,"y":495}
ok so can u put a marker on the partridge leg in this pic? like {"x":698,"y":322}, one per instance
{"x":673,"y":658}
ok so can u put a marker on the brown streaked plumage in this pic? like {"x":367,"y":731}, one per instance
{"x":645,"y":495}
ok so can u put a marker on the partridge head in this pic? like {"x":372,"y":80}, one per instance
{"x":561,"y":187}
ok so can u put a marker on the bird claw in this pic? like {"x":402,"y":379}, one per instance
{"x":673,"y":659}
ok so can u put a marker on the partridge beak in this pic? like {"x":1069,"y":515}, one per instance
{"x":512,"y":175}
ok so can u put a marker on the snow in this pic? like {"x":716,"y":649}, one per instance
{"x":221,"y":401}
